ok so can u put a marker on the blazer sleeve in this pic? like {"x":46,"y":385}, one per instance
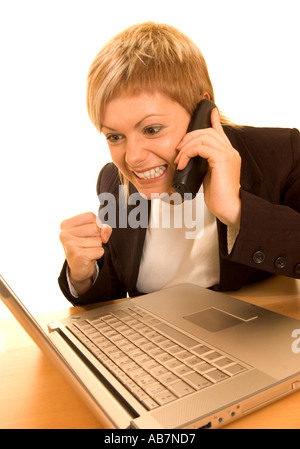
{"x":269,"y":236}
{"x":106,"y":287}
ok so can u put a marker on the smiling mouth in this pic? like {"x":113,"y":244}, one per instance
{"x":151,"y":174}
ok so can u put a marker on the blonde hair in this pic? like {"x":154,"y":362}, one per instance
{"x":147,"y":57}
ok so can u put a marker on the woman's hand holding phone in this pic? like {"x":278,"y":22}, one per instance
{"x":222,"y":181}
{"x":82,"y":237}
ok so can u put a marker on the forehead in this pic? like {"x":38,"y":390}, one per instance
{"x":125,"y":109}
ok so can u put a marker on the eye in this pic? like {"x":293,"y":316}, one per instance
{"x":152,"y":130}
{"x":114,"y":138}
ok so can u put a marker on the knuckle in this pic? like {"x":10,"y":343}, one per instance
{"x":63,"y":224}
{"x":62,"y":237}
{"x":90,"y":216}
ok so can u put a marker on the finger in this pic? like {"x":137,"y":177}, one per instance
{"x":184,"y":156}
{"x":201,"y":136}
{"x":216,"y":124}
{"x":73,"y":243}
{"x":85,"y":256}
{"x":78,"y":220}
{"x":204,"y":145}
{"x":88,"y":230}
{"x":215,"y":120}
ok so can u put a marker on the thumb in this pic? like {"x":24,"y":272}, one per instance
{"x":105,"y":233}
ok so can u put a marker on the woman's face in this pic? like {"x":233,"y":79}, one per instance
{"x":142,"y":133}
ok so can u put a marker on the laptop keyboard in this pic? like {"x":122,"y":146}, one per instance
{"x":155,"y":362}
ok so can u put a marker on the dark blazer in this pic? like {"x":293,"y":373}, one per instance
{"x":269,"y":237}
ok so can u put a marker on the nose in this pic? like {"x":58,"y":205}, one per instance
{"x":136,"y":153}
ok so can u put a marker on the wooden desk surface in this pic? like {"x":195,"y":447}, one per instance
{"x":33,"y":394}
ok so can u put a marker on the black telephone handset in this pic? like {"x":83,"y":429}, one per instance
{"x":191,"y":177}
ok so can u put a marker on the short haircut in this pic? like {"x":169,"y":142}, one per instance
{"x":147,"y":57}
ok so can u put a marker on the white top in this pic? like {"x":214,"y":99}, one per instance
{"x":176,"y":250}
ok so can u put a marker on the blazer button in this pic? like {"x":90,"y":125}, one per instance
{"x":297,"y":269}
{"x":280,"y":262}
{"x":258,"y":257}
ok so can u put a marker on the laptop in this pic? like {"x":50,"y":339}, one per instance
{"x":181,"y":358}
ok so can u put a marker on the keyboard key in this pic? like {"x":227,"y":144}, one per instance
{"x":172,"y":363}
{"x":197,"y":381}
{"x":159,"y":339}
{"x":164,"y":357}
{"x":142,"y":359}
{"x":165,"y":397}
{"x":215,"y":375}
{"x":152,"y":334}
{"x":223,"y":362}
{"x":148,"y":366}
{"x":159,"y":371}
{"x":183,"y":355}
{"x":181,"y":370}
{"x":192,"y":361}
{"x":120,"y":314}
{"x":203,"y":367}
{"x":176,"y":335}
{"x":149,"y":403}
{"x":154,"y":389}
{"x":107,"y":317}
{"x":167,"y":344}
{"x":150,"y":321}
{"x":135,"y":374}
{"x":212,"y":356}
{"x":149,"y":346}
{"x":128,"y":348}
{"x":133,"y":337}
{"x":141,"y":341}
{"x":181,"y":389}
{"x":122,"y":361}
{"x":155,"y":352}
{"x":234,"y":369}
{"x":174,"y":349}
{"x":129,"y":367}
{"x":143,"y":381}
{"x":122,"y":342}
{"x":137,"y":352}
{"x":139,"y":326}
{"x":168,"y":378}
{"x":137,"y":391}
{"x":201,"y":349}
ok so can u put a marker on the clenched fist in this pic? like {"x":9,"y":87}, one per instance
{"x":82,"y":240}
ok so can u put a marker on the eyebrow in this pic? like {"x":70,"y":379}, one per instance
{"x":138,"y":123}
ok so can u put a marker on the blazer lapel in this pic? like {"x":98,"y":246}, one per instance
{"x":131,"y":242}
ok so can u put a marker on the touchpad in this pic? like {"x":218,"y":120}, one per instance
{"x":213,"y":320}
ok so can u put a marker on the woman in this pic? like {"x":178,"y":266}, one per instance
{"x":143,"y":87}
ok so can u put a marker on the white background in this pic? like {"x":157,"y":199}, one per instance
{"x":50,"y":152}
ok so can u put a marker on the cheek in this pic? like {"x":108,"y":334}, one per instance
{"x":169,"y":147}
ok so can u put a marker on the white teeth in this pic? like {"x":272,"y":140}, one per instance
{"x":153,"y":173}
